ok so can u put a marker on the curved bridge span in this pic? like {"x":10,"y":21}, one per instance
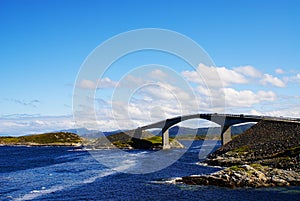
{"x":224,"y":120}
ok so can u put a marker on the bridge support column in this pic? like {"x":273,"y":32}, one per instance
{"x":226,"y":136}
{"x":138,"y":133}
{"x":165,"y":140}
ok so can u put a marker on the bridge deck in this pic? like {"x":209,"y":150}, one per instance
{"x":224,"y":120}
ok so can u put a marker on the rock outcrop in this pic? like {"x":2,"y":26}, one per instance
{"x":253,"y":175}
{"x":268,"y":154}
{"x":271,"y":143}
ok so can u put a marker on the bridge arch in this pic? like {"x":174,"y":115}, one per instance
{"x":224,"y":120}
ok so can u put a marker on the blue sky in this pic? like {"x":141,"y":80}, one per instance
{"x":44,"y":43}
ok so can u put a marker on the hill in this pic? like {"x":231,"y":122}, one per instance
{"x":268,"y":154}
{"x":51,"y":139}
{"x":127,"y":140}
{"x":272,"y":143}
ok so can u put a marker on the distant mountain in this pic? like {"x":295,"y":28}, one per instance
{"x":202,"y":132}
{"x":182,"y":131}
{"x":108,"y":133}
{"x":80,"y":131}
{"x":174,"y":131}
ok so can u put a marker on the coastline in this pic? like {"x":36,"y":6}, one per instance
{"x":42,"y":145}
{"x":245,"y":176}
{"x":266,"y":155}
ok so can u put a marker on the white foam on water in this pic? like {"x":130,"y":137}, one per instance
{"x":173,"y":180}
{"x":36,"y":193}
{"x":43,"y":191}
{"x":122,"y":166}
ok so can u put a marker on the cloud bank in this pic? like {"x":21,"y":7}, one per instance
{"x":140,"y":99}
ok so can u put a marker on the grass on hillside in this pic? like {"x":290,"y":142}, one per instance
{"x":154,"y":139}
{"x":47,"y":138}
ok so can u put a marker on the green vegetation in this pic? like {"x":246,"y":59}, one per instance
{"x":258,"y":166}
{"x":154,"y":139}
{"x":241,"y":150}
{"x":42,"y":139}
{"x":126,"y":140}
{"x":241,"y":168}
{"x":157,"y":140}
{"x":236,"y":168}
{"x":198,"y":137}
{"x":9,"y":140}
{"x":121,"y":144}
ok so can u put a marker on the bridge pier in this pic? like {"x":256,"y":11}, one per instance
{"x":138,"y":133}
{"x":165,"y":140}
{"x":226,"y":136}
{"x":224,"y":120}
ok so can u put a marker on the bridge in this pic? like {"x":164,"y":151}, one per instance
{"x":224,"y":120}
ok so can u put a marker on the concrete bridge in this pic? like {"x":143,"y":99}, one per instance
{"x":224,"y":120}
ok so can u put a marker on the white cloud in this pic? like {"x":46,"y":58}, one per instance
{"x":248,"y":71}
{"x":158,"y":74}
{"x":279,"y":71}
{"x":292,"y":79}
{"x":151,"y":103}
{"x":24,"y":125}
{"x":213,"y":76}
{"x":155,"y":96}
{"x":210,"y":76}
{"x":255,"y":112}
{"x":296,"y":78}
{"x":231,"y":77}
{"x":275,"y":81}
{"x":247,"y":98}
{"x":131,"y":81}
{"x":204,"y":91}
{"x":286,"y":112}
{"x":106,"y":83}
{"x":87,"y":84}
{"x":102,"y":83}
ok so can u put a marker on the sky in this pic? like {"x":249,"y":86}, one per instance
{"x":254,"y":46}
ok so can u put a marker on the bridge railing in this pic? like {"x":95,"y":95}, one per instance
{"x":254,"y":117}
{"x":250,"y":116}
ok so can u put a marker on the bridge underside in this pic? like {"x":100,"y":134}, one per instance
{"x":225,"y":121}
{"x":225,"y":138}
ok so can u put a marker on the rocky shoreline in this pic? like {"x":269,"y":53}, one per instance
{"x":266,"y":155}
{"x":253,"y":175}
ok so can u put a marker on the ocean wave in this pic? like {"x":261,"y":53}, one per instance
{"x":43,"y":191}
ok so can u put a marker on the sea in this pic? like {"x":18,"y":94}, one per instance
{"x":68,"y":173}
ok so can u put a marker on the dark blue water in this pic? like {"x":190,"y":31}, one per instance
{"x":62,"y":173}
